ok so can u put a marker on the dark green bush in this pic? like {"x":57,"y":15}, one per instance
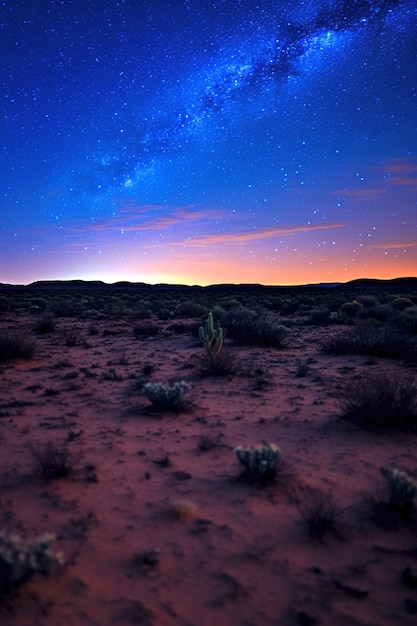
{"x":67,"y":308}
{"x":246,"y":326}
{"x":191,"y":309}
{"x":319,"y":316}
{"x":380,"y":312}
{"x":406,"y":320}
{"x":351,"y":308}
{"x":399,"y":304}
{"x":368,"y":301}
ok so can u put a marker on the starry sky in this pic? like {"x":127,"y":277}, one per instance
{"x":208,"y":141}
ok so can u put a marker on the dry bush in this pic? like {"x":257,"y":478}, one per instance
{"x":45,"y":324}
{"x":319,"y":316}
{"x":189,"y":308}
{"x":52,"y":460}
{"x":372,"y":340}
{"x":225,"y":363}
{"x":15,"y":344}
{"x":382,"y":402}
{"x":319,"y":511}
{"x":248,"y":328}
{"x":146,"y":328}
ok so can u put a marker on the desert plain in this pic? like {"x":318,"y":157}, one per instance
{"x":154,"y":519}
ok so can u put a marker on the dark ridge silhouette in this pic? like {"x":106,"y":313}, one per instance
{"x":359,"y":285}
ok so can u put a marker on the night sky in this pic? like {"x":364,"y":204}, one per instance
{"x":200,"y":142}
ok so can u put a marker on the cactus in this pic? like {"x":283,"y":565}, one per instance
{"x":402,"y":490}
{"x":211,"y":337}
{"x":260,"y":462}
{"x":19,"y":562}
{"x":166,"y":396}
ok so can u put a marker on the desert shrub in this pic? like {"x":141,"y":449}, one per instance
{"x":289,"y":306}
{"x":218,"y":313}
{"x":52,"y":460}
{"x":93,"y":330}
{"x":399,"y":304}
{"x":164,"y":314}
{"x":143,"y":312}
{"x":229,"y":303}
{"x":146,"y":328}
{"x":319,"y":316}
{"x":246,"y":326}
{"x":71,"y":337}
{"x":182,"y":327}
{"x":260,"y":463}
{"x":4,"y":304}
{"x":224,"y":364}
{"x":402,"y":490}
{"x":169,"y":397}
{"x":39,"y":303}
{"x":351,"y":308}
{"x":373,"y":340}
{"x":19,"y":562}
{"x":45,"y":324}
{"x":319,"y":511}
{"x":208,"y":442}
{"x":380,"y":312}
{"x":267,"y":334}
{"x":190,"y":309}
{"x":406,"y":320}
{"x":239,"y":320}
{"x":381,"y":402}
{"x":368,"y":301}
{"x":15,"y":344}
{"x":67,"y":308}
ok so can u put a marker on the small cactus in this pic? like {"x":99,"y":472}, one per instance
{"x":211,"y":337}
{"x":260,"y":462}
{"x":402,"y":488}
{"x":19,"y":562}
{"x":166,"y":396}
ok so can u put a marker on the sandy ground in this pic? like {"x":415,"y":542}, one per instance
{"x":156,"y":531}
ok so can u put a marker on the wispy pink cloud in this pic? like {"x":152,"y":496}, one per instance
{"x":253,"y":235}
{"x":393,"y":245}
{"x":401,"y":172}
{"x":138,"y":218}
{"x":361,"y":195}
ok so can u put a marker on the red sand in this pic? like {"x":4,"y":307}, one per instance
{"x":241,"y":554}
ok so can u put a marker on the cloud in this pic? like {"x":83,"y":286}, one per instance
{"x":253,"y":235}
{"x":401,"y":172}
{"x":137,"y":218}
{"x":361,"y":195}
{"x":392,"y":245}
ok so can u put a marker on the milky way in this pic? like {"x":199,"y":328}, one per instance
{"x":206,"y":141}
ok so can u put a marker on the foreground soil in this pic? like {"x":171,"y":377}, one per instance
{"x":155,"y":528}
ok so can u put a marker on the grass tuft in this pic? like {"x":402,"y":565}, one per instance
{"x":52,"y":460}
{"x":319,"y":511}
